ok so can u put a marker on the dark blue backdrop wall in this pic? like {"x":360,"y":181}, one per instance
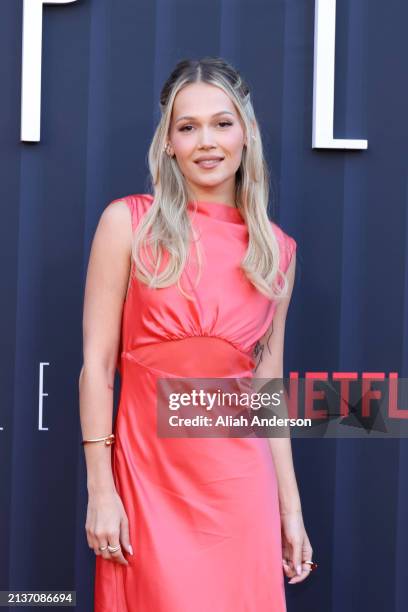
{"x":103,"y":66}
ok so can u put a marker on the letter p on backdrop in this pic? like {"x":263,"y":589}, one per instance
{"x":31,"y":68}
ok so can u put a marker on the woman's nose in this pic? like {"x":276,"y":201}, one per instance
{"x":206,"y":137}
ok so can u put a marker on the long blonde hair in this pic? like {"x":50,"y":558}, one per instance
{"x":166,"y":226}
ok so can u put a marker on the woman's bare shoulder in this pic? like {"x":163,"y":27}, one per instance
{"x":133,"y":205}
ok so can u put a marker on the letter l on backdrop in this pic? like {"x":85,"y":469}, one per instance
{"x":323,"y":80}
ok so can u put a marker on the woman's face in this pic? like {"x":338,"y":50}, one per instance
{"x":207,"y":137}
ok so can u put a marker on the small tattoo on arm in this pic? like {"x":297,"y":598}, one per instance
{"x":260,"y":347}
{"x":258,"y":350}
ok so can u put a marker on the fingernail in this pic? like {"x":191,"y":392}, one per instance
{"x":130,"y":549}
{"x":299,"y":570}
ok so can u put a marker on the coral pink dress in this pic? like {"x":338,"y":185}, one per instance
{"x":203,"y":512}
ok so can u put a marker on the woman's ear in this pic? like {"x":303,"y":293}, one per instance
{"x":252,"y":135}
{"x":168,"y":149}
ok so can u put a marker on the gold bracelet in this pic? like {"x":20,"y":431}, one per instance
{"x":109,"y":440}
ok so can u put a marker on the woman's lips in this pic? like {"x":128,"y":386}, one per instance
{"x":210,"y":163}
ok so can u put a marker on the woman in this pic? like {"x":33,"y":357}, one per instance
{"x":179,"y":524}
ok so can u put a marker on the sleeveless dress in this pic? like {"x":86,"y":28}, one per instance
{"x":203,"y":513}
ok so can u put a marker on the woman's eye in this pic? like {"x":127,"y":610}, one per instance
{"x":221,"y":123}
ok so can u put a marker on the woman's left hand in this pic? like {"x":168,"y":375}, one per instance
{"x":296,"y":548}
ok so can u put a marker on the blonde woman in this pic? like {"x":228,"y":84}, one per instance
{"x":192,"y":280}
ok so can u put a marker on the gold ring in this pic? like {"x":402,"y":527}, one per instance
{"x":313,"y":565}
{"x":113,"y":549}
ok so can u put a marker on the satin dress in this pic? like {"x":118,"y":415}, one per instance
{"x":203,"y":512}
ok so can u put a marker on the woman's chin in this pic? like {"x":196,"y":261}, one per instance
{"x":209,"y":181}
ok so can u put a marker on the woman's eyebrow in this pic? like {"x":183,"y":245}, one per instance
{"x":214,"y":115}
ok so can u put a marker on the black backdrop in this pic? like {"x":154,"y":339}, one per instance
{"x":103,"y":66}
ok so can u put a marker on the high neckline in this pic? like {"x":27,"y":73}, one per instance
{"x":219,"y":210}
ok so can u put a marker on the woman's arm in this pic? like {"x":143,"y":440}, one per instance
{"x":296,"y":547}
{"x":269,"y":364}
{"x":105,"y":291}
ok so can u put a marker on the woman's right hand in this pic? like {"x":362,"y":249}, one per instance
{"x":107,"y":523}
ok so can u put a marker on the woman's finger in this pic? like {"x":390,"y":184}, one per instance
{"x":124,"y":535}
{"x":288,"y":569}
{"x":117,"y":556}
{"x":306,"y":556}
{"x":91,"y":539}
{"x":297,"y":557}
{"x":305,"y":573}
{"x":286,"y":560}
{"x":102,"y":543}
